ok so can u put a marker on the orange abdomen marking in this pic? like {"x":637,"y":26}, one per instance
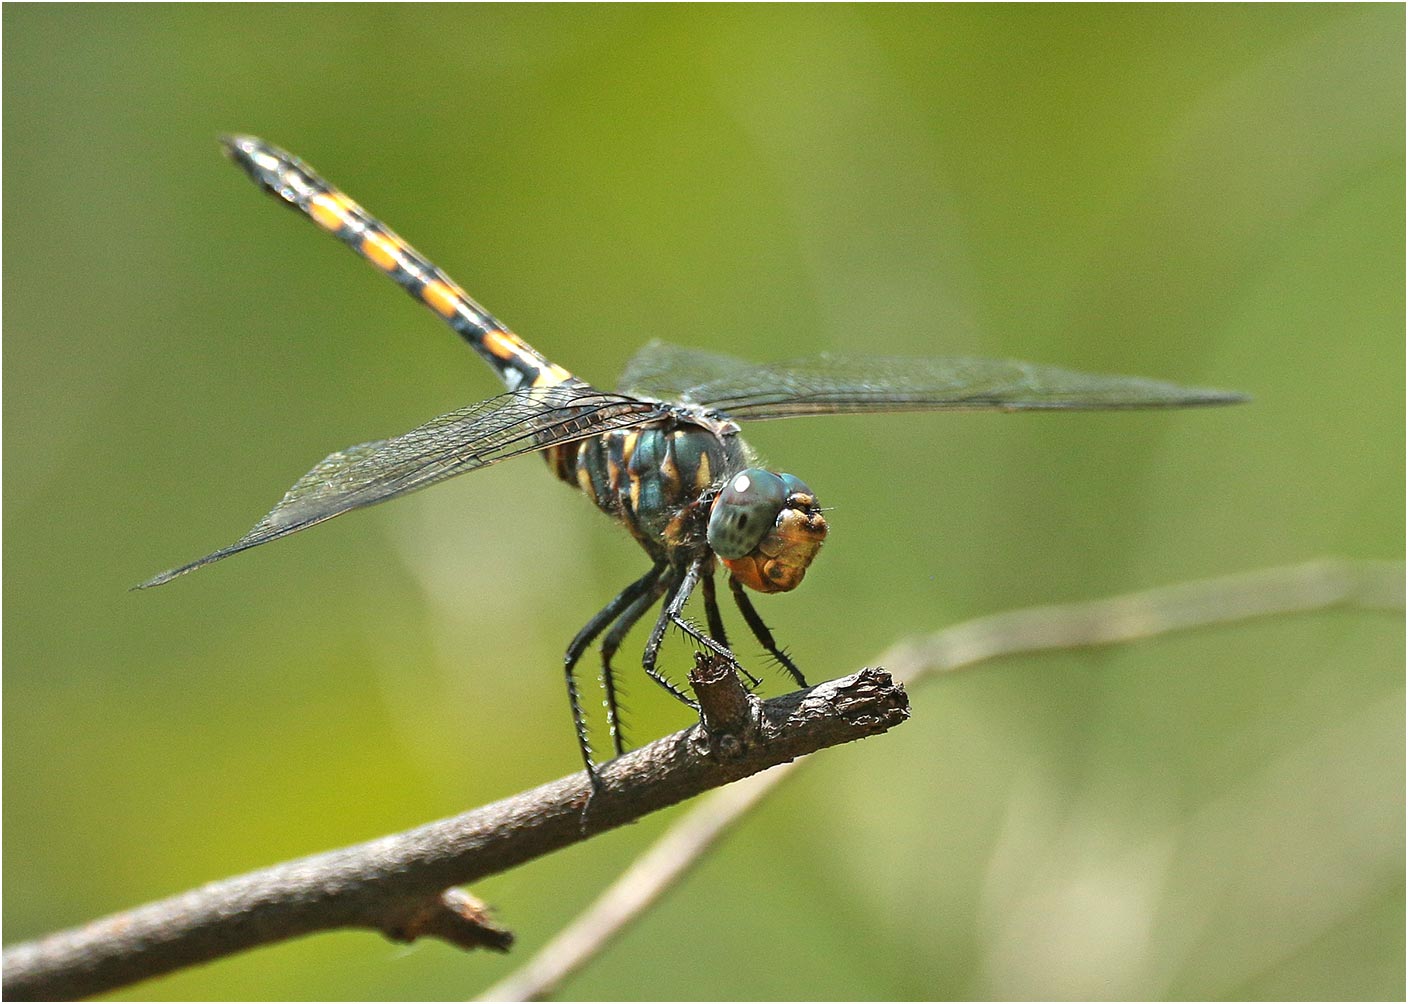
{"x":443,"y":299}
{"x":381,"y":251}
{"x":500,"y":344}
{"x":331,"y":210}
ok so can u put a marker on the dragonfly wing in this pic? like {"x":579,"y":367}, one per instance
{"x":455,"y":443}
{"x":665,"y":372}
{"x":838,"y":384}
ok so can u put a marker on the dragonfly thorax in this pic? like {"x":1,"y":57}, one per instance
{"x":766,"y":528}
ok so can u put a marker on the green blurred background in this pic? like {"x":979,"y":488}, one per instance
{"x":1206,"y":194}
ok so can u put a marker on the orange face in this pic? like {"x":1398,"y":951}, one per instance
{"x":781,"y":558}
{"x":766,"y":528}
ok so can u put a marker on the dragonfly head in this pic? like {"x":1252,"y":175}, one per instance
{"x":766,"y":528}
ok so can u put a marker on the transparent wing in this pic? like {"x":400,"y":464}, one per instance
{"x":455,"y":443}
{"x":835,"y":384}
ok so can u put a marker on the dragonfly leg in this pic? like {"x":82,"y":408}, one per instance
{"x":627,"y":620}
{"x":761,"y":632}
{"x":676,"y":586}
{"x":716,"y":621}
{"x":671,"y":614}
{"x":711,"y":610}
{"x":599,"y":622}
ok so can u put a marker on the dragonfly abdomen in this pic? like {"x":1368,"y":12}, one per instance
{"x":283,"y":175}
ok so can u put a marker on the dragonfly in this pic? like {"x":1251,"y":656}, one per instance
{"x":662,"y":456}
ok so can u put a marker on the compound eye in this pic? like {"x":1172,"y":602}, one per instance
{"x":745,"y":511}
{"x":796,"y":486}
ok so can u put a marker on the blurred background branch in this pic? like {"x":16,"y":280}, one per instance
{"x":1317,"y":585}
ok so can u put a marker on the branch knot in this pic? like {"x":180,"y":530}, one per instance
{"x":729,"y":716}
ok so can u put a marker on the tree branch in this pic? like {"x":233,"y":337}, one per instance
{"x":398,"y":884}
{"x":1317,"y":585}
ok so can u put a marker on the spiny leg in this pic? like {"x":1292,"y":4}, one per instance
{"x":674,"y":585}
{"x":716,"y":621}
{"x":711,"y":610}
{"x":599,"y":622}
{"x":609,"y":646}
{"x":670,"y":614}
{"x":761,"y":632}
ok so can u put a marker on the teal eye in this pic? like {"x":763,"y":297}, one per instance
{"x":795,"y":485}
{"x":745,"y":510}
